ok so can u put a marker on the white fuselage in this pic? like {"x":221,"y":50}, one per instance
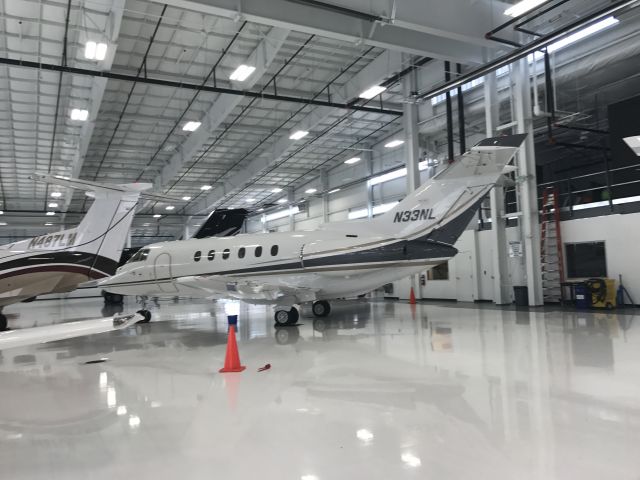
{"x":317,"y":265}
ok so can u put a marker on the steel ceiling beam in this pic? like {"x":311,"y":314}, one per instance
{"x":97,"y":93}
{"x":436,"y":29}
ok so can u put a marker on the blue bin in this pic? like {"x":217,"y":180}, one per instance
{"x":583,"y":297}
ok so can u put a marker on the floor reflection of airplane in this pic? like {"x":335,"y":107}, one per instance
{"x":58,"y":262}
{"x":337,"y":260}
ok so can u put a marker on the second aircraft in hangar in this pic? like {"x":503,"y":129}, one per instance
{"x":337,"y":260}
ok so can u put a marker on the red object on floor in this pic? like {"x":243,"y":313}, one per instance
{"x":412,"y":297}
{"x":266,"y":367}
{"x":232,"y":358}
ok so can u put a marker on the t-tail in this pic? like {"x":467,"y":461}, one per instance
{"x":96,"y":243}
{"x":442,"y":207}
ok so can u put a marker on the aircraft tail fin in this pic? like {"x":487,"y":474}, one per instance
{"x":442,"y":207}
{"x":100,"y":237}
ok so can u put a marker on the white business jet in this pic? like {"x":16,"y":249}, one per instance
{"x":59,"y":262}
{"x":337,"y":260}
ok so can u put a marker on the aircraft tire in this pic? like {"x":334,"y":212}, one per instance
{"x":286,"y":317}
{"x":146,"y":314}
{"x":321,"y":308}
{"x":3,"y":322}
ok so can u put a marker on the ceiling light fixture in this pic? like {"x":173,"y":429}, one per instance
{"x":48,"y":224}
{"x":351,"y":161}
{"x":157,"y":215}
{"x":374,"y":91}
{"x":251,"y":200}
{"x":186,"y":198}
{"x":393,"y":143}
{"x":191,"y":126}
{"x":56,"y":194}
{"x":3,"y":223}
{"x":95,"y":51}
{"x":241,"y":73}
{"x":523,"y":7}
{"x":169,"y":207}
{"x":205,"y":187}
{"x":334,"y":190}
{"x":79,"y":114}
{"x":53,"y":205}
{"x":311,"y":190}
{"x":297,"y":135}
{"x":282,"y":200}
{"x":1,"y":212}
{"x":276,"y":190}
{"x":49,"y":214}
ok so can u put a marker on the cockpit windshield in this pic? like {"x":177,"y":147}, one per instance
{"x":139,"y":256}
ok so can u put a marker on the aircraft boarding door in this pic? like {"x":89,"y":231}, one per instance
{"x":163,"y":274}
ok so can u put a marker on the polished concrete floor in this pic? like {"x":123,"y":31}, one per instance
{"x":379,"y":390}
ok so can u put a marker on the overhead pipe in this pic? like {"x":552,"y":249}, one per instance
{"x":528,"y":49}
{"x":192,"y":86}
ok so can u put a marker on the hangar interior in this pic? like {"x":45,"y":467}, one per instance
{"x":304,"y":113}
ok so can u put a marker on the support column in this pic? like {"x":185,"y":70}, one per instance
{"x":501,"y":283}
{"x":324,"y":185}
{"x":128,"y":243}
{"x":411,"y":147}
{"x":527,"y":184}
{"x":186,"y":233}
{"x":290,"y":200}
{"x":368,"y":158}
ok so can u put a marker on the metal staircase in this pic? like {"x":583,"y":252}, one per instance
{"x":551,"y":257}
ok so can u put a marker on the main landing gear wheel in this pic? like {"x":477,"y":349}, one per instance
{"x":287,"y":317}
{"x":321,"y":308}
{"x":3,"y":322}
{"x":146,"y":314}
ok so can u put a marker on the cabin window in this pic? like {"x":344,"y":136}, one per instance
{"x":274,"y":250}
{"x":225,"y":254}
{"x":197,"y":255}
{"x":258,"y":251}
{"x":212,"y":255}
{"x":241,"y":252}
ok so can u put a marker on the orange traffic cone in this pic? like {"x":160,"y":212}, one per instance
{"x":412,"y":297}
{"x":232,"y":359}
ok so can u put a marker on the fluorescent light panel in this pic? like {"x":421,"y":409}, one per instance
{"x":276,"y":190}
{"x":191,"y":126}
{"x":241,"y":73}
{"x":311,"y":190}
{"x":169,"y":207}
{"x":280,"y":214}
{"x":95,"y":51}
{"x":298,"y":135}
{"x":374,"y":91}
{"x":186,"y":198}
{"x":79,"y":114}
{"x":205,"y":187}
{"x":282,"y":200}
{"x":393,"y":143}
{"x":522,"y":7}
{"x":351,"y":161}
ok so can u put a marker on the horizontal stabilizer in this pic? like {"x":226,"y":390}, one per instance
{"x":89,"y":186}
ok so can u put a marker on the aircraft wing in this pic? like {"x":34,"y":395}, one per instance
{"x":219,"y":286}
